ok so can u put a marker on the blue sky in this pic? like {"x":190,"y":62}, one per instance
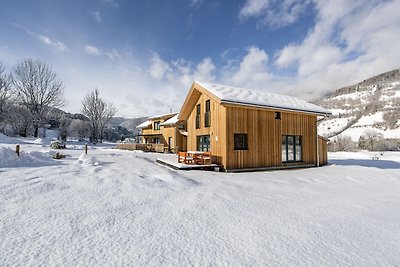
{"x":144,"y":55}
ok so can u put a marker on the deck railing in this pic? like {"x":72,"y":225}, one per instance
{"x":143,"y":147}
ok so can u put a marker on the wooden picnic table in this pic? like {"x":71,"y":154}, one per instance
{"x":194,"y":157}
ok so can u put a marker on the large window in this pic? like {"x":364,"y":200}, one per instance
{"x":207,"y":114}
{"x":240,"y":142}
{"x":291,"y":148}
{"x":203,"y":143}
{"x":198,"y":116}
{"x":157,"y":125}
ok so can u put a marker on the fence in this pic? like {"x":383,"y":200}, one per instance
{"x":144,"y":147}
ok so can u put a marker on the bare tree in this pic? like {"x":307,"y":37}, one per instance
{"x":38,"y":89}
{"x":342,"y":143}
{"x":79,"y":129}
{"x":99,"y":113}
{"x":369,"y":139}
{"x":5,"y":92}
{"x":20,"y":120}
{"x":63,"y":129}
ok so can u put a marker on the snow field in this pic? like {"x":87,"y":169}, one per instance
{"x":113,"y":207}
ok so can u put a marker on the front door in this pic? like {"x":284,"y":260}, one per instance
{"x":169,"y":143}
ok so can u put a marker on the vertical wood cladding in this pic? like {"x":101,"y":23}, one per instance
{"x":265,"y":136}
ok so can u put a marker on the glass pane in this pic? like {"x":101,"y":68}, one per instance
{"x":298,"y":148}
{"x":284,"y":148}
{"x":290,"y":148}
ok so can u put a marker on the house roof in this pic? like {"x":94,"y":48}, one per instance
{"x":248,"y":97}
{"x":144,"y":124}
{"x":171,"y":121}
{"x":168,"y":115}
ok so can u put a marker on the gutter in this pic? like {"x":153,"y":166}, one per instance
{"x":316,"y":131}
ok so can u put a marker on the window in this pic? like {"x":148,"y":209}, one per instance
{"x":207,"y":114}
{"x":156,"y":140}
{"x":198,"y":116}
{"x":157,"y":125}
{"x":240,"y":142}
{"x":291,"y":148}
{"x":203,"y":143}
{"x":277,"y":115}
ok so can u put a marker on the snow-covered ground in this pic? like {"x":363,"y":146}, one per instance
{"x":113,"y":207}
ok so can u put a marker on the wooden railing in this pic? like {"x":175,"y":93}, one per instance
{"x":144,"y":147}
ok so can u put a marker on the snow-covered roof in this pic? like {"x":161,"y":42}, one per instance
{"x":171,"y":121}
{"x":144,"y":124}
{"x":243,"y":96}
{"x":162,"y":116}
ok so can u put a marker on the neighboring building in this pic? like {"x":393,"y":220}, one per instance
{"x":248,"y":129}
{"x":164,"y":129}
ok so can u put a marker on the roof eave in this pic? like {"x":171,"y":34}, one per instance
{"x":275,"y":108}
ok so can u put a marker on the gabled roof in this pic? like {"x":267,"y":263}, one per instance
{"x":247,"y":97}
{"x":144,"y":124}
{"x":171,"y":121}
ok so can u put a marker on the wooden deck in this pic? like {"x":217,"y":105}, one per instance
{"x":172,"y":162}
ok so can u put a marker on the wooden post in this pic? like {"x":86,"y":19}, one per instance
{"x":85,"y":148}
{"x":17,"y":147}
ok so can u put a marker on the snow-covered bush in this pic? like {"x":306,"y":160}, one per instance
{"x":57,"y":144}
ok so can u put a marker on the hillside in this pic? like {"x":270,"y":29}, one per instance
{"x":373,"y":104}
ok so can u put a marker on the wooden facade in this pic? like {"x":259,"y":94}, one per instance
{"x":263,"y":128}
{"x":169,"y":135}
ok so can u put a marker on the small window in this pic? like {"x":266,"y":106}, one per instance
{"x":240,"y":142}
{"x":207,"y":114}
{"x":157,"y":125}
{"x":208,"y":105}
{"x":277,"y":115}
{"x":198,"y":116}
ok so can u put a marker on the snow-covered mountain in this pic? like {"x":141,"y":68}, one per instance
{"x":373,"y":104}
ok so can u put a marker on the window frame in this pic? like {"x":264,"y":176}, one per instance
{"x":207,"y":114}
{"x":157,"y":125}
{"x":201,"y":146}
{"x":295,"y":147}
{"x":198,"y":110}
{"x":240,"y":141}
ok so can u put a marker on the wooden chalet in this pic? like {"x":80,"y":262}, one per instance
{"x":247,"y":129}
{"x":164,"y":129}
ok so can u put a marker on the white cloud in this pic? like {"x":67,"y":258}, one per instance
{"x":92,"y":50}
{"x":196,"y":3}
{"x":112,"y":3}
{"x":251,"y":72}
{"x":181,"y":70}
{"x":43,"y":38}
{"x":158,"y":67}
{"x":97,"y":16}
{"x":205,"y":70}
{"x":254,"y":8}
{"x":274,"y":13}
{"x":350,"y":41}
{"x":113,"y":55}
{"x":57,"y":44}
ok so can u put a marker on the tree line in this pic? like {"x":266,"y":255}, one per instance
{"x":31,"y":93}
